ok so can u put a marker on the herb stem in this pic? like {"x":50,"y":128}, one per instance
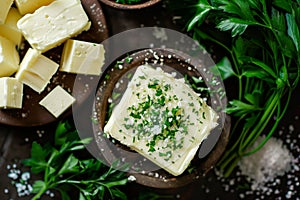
{"x":278,"y":119}
{"x":40,"y":193}
{"x":267,"y":114}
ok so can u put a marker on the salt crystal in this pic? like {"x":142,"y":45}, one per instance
{"x":131,"y":178}
{"x":291,"y":128}
{"x":13,"y":176}
{"x":25,"y":176}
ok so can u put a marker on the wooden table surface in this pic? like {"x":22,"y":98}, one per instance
{"x":15,"y":142}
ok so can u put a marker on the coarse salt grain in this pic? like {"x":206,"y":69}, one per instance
{"x":264,"y":166}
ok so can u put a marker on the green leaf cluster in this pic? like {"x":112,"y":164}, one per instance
{"x":261,"y":40}
{"x":64,"y":170}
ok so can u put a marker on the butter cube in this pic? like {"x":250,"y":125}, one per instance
{"x":36,"y":70}
{"x":29,"y":6}
{"x":9,"y":57}
{"x":9,"y":29}
{"x":49,"y":26}
{"x":4,"y":8}
{"x":154,"y":105}
{"x":82,"y":57}
{"x":57,"y":101}
{"x":11,"y":93}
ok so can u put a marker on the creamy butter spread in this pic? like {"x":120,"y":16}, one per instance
{"x":162,"y":118}
{"x":51,"y":25}
{"x":11,"y":93}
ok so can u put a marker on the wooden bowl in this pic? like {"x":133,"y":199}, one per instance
{"x":144,"y":4}
{"x":141,"y":168}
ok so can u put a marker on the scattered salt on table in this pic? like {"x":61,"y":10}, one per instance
{"x":264,"y":166}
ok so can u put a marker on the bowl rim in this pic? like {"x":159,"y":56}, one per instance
{"x":145,"y":4}
{"x":172,"y":181}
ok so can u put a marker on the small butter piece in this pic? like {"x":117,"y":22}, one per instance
{"x":57,"y":101}
{"x":9,"y":57}
{"x":4,"y":9}
{"x":9,"y":29}
{"x":11,"y":93}
{"x":36,"y":70}
{"x":29,"y":6}
{"x":49,"y":26}
{"x":82,"y":57}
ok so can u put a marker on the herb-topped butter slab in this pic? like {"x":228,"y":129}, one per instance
{"x":162,"y":118}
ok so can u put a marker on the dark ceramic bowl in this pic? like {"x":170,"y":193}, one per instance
{"x":144,"y":4}
{"x":112,"y":150}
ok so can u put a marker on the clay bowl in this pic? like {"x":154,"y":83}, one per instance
{"x":141,"y":168}
{"x":144,"y":4}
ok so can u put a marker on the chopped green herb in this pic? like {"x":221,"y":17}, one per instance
{"x":128,"y":59}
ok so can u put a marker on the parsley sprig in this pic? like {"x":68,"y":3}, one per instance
{"x":63,"y":169}
{"x":261,"y":39}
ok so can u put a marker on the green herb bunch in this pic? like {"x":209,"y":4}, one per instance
{"x":262,"y":42}
{"x":64,"y":170}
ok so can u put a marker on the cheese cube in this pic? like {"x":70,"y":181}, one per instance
{"x":9,"y":57}
{"x":36,"y":70}
{"x":57,"y":101}
{"x":82,"y":57}
{"x":9,"y":29}
{"x":11,"y":93}
{"x":49,"y":26}
{"x":29,"y":6}
{"x":4,"y":8}
{"x":161,"y":118}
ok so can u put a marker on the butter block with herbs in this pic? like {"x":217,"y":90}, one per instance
{"x":5,"y":6}
{"x":11,"y":93}
{"x":57,"y":101}
{"x":82,"y":57}
{"x":36,"y":70}
{"x":29,"y":6}
{"x":9,"y":57}
{"x":162,"y":118}
{"x":49,"y":26}
{"x":9,"y":29}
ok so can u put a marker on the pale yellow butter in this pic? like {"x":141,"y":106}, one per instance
{"x":9,"y":29}
{"x":9,"y":57}
{"x":29,"y":6}
{"x":11,"y":93}
{"x":57,"y":101}
{"x":49,"y":26}
{"x":154,"y":105}
{"x":36,"y":70}
{"x":4,"y":9}
{"x":82,"y":57}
